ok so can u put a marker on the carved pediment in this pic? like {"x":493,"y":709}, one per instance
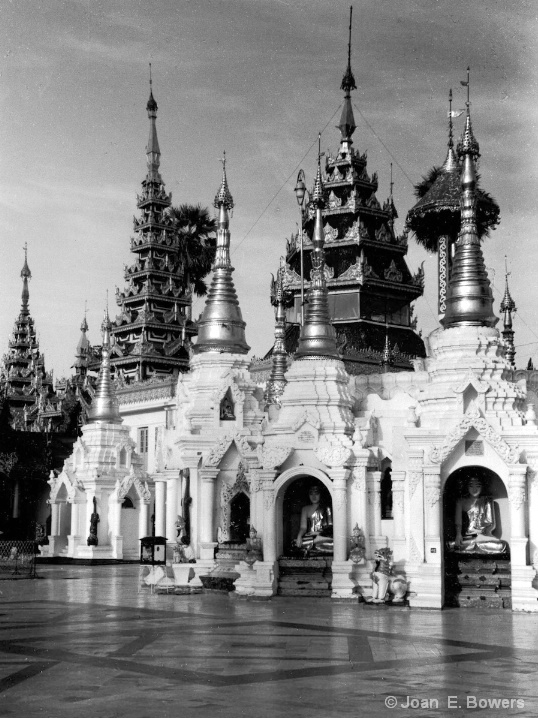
{"x":472,"y":419}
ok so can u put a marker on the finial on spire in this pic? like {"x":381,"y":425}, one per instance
{"x":347,"y":124}
{"x":224,"y":196}
{"x":84,"y":325}
{"x":348,"y":82}
{"x":451,"y":162}
{"x":152,"y":105}
{"x":317,"y":194}
{"x":468,"y":143}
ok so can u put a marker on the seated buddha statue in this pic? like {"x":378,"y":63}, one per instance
{"x":475,"y":513}
{"x":316,"y":528}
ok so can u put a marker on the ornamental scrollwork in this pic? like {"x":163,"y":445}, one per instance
{"x":268,"y":499}
{"x":272,"y":456}
{"x":414,"y":480}
{"x":517,"y":496}
{"x":333,"y":450}
{"x":307,"y":416}
{"x":432,"y":495}
{"x":414,"y":553}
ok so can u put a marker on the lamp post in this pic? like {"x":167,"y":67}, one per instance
{"x":300,"y":191}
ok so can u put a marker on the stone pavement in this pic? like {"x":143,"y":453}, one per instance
{"x":81,"y":641}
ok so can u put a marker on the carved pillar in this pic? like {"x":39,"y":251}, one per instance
{"x":172,"y":493}
{"x":398,"y":516}
{"x":160,"y":487}
{"x":340,"y":528}
{"x":208,"y":477}
{"x":75,"y":519}
{"x":532,"y":499}
{"x":143,"y":520}
{"x":373,"y":483}
{"x":359,"y":501}
{"x":517,"y":495}
{"x":432,"y":514}
{"x":54,"y":507}
{"x":415,"y":519}
{"x":269,"y":521}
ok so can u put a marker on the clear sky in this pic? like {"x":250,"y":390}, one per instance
{"x":258,"y":78}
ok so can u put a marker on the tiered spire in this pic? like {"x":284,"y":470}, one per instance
{"x":24,"y":380}
{"x":83,"y":352}
{"x":104,"y":407}
{"x":317,"y":338}
{"x":347,"y":124}
{"x":221,"y":327}
{"x":468,"y":143}
{"x":469,"y":299}
{"x":508,"y":306}
{"x":153,"y":327}
{"x":277,"y":380}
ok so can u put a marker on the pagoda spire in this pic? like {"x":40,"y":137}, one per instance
{"x":507,"y":307}
{"x":221,"y":327}
{"x":82,"y":354}
{"x":153,"y":152}
{"x":451,"y":162}
{"x":104,"y":409}
{"x":469,"y":300}
{"x":277,"y":379}
{"x":347,"y":124}
{"x":26,"y":274}
{"x":317,"y":338}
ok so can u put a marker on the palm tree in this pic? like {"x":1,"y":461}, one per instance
{"x":437,"y":213}
{"x":194,"y":229}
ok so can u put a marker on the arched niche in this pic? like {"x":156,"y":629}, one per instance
{"x":492,"y":486}
{"x":291,"y":494}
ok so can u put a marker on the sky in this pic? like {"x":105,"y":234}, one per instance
{"x":258,"y":79}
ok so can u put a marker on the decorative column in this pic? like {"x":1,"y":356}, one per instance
{"x":116,"y":535}
{"x":172,"y":493}
{"x":340,"y":528}
{"x":398,"y":516}
{"x":74,"y":538}
{"x":373,"y":483}
{"x":517,"y":495}
{"x":206,"y":513}
{"x":415,"y":518}
{"x":432,"y":514}
{"x":143,"y":519}
{"x":359,"y":500}
{"x":269,"y":522}
{"x":343,"y":582}
{"x":54,"y":507}
{"x":533,"y":508}
{"x":160,"y":488}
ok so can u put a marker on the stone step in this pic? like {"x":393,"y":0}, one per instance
{"x":313,"y":564}
{"x":310,"y":592}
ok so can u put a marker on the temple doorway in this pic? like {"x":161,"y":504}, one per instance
{"x":295,"y":497}
{"x":476,"y":532}
{"x":239,"y":518}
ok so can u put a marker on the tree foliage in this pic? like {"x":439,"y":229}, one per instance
{"x":194,"y":229}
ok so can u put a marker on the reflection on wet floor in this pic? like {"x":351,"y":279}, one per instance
{"x":83,"y":641}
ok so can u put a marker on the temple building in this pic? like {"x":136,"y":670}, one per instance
{"x":359,"y":462}
{"x":153,"y":330}
{"x":371,"y":290}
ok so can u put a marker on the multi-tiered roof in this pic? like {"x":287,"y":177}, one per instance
{"x":369,"y":284}
{"x":151,"y":332}
{"x":25,"y":382}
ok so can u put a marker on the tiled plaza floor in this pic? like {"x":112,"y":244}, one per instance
{"x":81,"y":641}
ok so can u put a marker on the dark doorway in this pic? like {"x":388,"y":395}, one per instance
{"x":239,"y":518}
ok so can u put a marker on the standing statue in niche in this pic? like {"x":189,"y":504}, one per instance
{"x":316,"y":528}
{"x":94,"y":520}
{"x":475,"y":521}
